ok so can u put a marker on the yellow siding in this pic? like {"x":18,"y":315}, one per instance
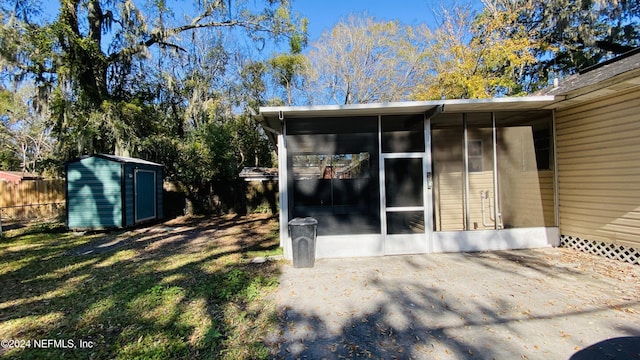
{"x":526,"y":194}
{"x":449,"y":200}
{"x":449,"y":195}
{"x":527,"y":199}
{"x":598,"y":154}
{"x":480,"y":182}
{"x":448,"y":184}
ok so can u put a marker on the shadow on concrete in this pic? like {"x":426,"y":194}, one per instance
{"x":620,"y":348}
{"x":452,"y":306}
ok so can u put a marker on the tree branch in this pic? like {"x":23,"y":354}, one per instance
{"x":159,"y":37}
{"x":613,"y":47}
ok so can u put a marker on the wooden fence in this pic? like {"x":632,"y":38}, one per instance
{"x":31,"y":199}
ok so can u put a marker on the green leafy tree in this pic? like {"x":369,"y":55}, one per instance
{"x":253,"y":83}
{"x":9,"y":159}
{"x":91,"y":62}
{"x":288,"y":68}
{"x":570,"y":34}
{"x":471,"y":56}
{"x":253,"y":148}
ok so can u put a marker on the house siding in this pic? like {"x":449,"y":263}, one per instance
{"x":599,"y":170}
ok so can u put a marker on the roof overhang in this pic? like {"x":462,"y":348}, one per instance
{"x":624,"y":82}
{"x":273,"y":117}
{"x":609,"y":78}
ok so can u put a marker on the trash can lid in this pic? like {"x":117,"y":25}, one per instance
{"x":303,"y":221}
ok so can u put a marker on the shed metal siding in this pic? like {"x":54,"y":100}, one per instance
{"x":130,"y":190}
{"x":159,"y":199}
{"x":598,"y":155}
{"x":94,"y":194}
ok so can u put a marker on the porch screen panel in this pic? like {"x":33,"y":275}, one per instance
{"x":410,"y":222}
{"x":404,"y":182}
{"x":404,"y":185}
{"x":448,"y":186}
{"x":403,"y":133}
{"x":334,"y":173}
{"x":525,"y":169}
{"x":480,"y":166}
{"x":448,"y":154}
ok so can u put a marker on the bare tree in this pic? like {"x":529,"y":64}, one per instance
{"x":362,"y":60}
{"x":25,"y":131}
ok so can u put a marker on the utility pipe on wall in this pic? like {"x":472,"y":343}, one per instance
{"x":485,"y":195}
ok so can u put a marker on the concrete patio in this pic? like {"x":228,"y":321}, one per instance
{"x":548,"y":303}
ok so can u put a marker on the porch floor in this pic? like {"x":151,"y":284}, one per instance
{"x":548,"y":303}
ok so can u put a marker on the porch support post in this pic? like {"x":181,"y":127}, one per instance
{"x":465,"y":172}
{"x":381,"y":177}
{"x":283,"y":185}
{"x":496,"y":212}
{"x":428,"y":184}
{"x":556,"y":191}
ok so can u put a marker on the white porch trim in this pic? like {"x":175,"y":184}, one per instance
{"x":488,"y":240}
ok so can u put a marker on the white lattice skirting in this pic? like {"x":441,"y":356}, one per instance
{"x":612,"y":251}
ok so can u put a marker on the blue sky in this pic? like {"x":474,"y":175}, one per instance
{"x":323,"y":14}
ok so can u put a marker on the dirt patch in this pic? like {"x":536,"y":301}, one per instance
{"x":186,"y":233}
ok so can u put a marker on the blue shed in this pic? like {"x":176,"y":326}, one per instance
{"x":108,"y":191}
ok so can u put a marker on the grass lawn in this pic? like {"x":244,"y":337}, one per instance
{"x":182,"y":289}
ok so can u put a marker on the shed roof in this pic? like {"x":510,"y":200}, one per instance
{"x":121,"y":159}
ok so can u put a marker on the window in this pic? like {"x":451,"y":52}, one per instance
{"x":475,"y":156}
{"x":466,"y":200}
{"x":525,"y":169}
{"x":542,"y":144}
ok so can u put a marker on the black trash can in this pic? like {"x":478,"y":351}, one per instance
{"x":303,"y":239}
